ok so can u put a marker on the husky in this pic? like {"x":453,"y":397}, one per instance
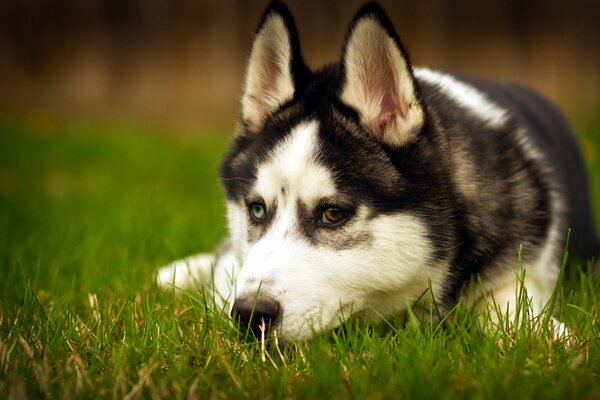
{"x":356,"y":188}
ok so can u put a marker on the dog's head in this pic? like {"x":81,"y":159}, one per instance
{"x":331,"y":186}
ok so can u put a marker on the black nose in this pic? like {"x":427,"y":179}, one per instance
{"x":251,"y":313}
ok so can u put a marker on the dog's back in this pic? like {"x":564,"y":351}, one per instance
{"x":550,"y":132}
{"x":518,"y":170}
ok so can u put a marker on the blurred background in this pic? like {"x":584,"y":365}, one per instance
{"x":181,"y":63}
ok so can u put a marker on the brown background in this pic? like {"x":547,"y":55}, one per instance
{"x":182,"y":62}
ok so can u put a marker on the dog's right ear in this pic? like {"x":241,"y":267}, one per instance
{"x":275,"y":69}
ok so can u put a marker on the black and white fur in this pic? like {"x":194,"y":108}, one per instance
{"x":439,"y":178}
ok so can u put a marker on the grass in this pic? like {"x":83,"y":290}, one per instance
{"x":87,"y":214}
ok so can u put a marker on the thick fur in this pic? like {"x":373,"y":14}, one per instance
{"x":442,"y":178}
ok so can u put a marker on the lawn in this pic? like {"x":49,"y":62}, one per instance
{"x":88,"y":212}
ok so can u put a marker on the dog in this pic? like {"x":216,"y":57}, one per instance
{"x":356,"y":188}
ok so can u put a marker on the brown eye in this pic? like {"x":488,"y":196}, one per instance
{"x":333,"y":215}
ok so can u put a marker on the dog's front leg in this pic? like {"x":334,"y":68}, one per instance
{"x":213,"y":271}
{"x":519,"y":299}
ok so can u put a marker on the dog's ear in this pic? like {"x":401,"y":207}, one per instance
{"x":378,"y":79}
{"x":275,"y":69}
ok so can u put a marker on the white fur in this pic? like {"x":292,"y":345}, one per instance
{"x":187,"y":272}
{"x":238,"y":226}
{"x":203,"y":270}
{"x":477,"y":103}
{"x":526,"y":287}
{"x":318,"y":287}
{"x":292,"y":167}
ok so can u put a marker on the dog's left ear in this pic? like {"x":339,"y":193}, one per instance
{"x":276,"y":69}
{"x":378,"y":79}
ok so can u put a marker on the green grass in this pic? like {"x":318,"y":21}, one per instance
{"x":87,"y":214}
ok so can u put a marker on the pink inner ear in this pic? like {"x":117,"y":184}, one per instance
{"x":390,"y":110}
{"x":382,"y":123}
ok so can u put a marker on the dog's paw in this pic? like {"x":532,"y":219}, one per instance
{"x":560,"y":332}
{"x":188,"y":272}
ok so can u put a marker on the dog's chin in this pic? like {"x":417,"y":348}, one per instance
{"x":278,"y":333}
{"x":345,"y":329}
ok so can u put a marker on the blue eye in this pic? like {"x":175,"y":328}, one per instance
{"x":258,"y":211}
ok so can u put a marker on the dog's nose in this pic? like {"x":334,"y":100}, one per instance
{"x":251,"y":313}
